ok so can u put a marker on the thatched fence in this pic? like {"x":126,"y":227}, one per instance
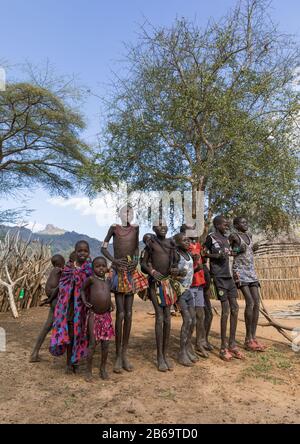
{"x":278,"y":269}
{"x":23,"y":265}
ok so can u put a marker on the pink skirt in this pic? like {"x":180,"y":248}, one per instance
{"x":103,"y":326}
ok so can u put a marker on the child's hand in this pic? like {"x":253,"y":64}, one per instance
{"x":121,"y":264}
{"x":132,"y":266}
{"x":174,"y":271}
{"x":157,"y":276}
{"x":222,"y":255}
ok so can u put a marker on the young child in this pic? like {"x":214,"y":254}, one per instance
{"x":201,"y":291}
{"x":158,"y":263}
{"x":51,"y":290}
{"x":95,"y":294}
{"x":197,"y":290}
{"x":246,"y":279}
{"x":218,"y":251}
{"x":72,"y":258}
{"x":68,"y":332}
{"x":186,"y":303}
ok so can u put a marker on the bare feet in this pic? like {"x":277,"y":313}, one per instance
{"x":201,"y":351}
{"x":162,"y":365}
{"x":208,"y":346}
{"x":88,"y":377}
{"x":103,"y":374}
{"x":169,"y":364}
{"x":70,"y":369}
{"x":34,"y":358}
{"x":183,"y":359}
{"x":191,"y":354}
{"x":192,"y":357}
{"x":118,"y":365}
{"x":126,"y":364}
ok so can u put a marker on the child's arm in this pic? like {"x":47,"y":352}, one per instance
{"x":52,"y":285}
{"x":174,"y":266}
{"x":147,"y":266}
{"x":121,"y":263}
{"x":208,"y":250}
{"x":135,"y":260}
{"x":235,"y":244}
{"x":87,"y":283}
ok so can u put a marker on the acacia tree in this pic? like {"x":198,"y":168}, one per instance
{"x":210,"y":109}
{"x":40,"y":140}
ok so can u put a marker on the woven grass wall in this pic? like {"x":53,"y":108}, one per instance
{"x":278,"y":268}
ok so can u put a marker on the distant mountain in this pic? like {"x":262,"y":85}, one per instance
{"x":51,"y":230}
{"x":60,"y":241}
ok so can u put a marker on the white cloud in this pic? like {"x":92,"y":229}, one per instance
{"x":103,"y":209}
{"x":35,"y":226}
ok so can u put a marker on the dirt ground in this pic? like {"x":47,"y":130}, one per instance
{"x":265,"y":388}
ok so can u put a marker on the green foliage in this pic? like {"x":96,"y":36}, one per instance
{"x":212,"y":109}
{"x":39,"y":140}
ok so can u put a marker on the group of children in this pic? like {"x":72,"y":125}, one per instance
{"x":169,"y":271}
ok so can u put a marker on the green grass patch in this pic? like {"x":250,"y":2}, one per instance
{"x":266,"y":365}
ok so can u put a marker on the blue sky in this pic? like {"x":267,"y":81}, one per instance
{"x":85,"y":39}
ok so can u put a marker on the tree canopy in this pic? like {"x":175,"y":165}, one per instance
{"x":40,"y":140}
{"x":211,"y":109}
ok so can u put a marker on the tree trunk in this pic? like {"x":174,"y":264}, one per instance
{"x":12,"y":303}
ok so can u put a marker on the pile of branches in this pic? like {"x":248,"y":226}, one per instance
{"x":23,"y":265}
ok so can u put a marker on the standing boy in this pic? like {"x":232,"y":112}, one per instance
{"x":159,"y":263}
{"x":126,"y":280}
{"x":246,"y":279}
{"x":218,"y":251}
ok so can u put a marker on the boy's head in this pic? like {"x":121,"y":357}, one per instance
{"x":58,"y":261}
{"x":185,"y":227}
{"x":182,"y":241}
{"x":72,"y":257}
{"x":221,"y":224}
{"x":240,"y":223}
{"x":147,"y":238}
{"x":160,"y":228}
{"x":99,"y":266}
{"x":82,"y":251}
{"x":126,"y":214}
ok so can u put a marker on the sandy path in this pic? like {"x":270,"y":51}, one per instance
{"x":265,"y":388}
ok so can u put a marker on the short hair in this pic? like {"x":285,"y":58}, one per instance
{"x":82,"y":242}
{"x":237,"y":220}
{"x":185,"y":227}
{"x":98,"y":258}
{"x":178,"y":237}
{"x":147,"y":236}
{"x":218,"y":219}
{"x":72,"y":256}
{"x":57,"y":259}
